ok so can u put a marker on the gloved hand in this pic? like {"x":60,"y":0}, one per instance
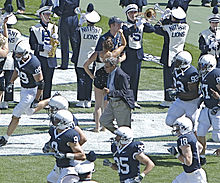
{"x":214,"y":45}
{"x":137,"y":179}
{"x":215,"y":110}
{"x":140,"y":21}
{"x":34,"y":104}
{"x":106,"y":162}
{"x":82,"y":19}
{"x":47,"y":47}
{"x":166,"y":14}
{"x":172,"y":93}
{"x":172,"y":150}
{"x":54,"y":36}
{"x":47,"y":148}
{"x":9,"y":87}
{"x":59,"y":155}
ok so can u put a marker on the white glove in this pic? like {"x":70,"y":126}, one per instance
{"x":54,"y":36}
{"x":47,"y":47}
{"x":214,"y":45}
{"x":82,"y":19}
{"x":166,"y":14}
{"x":140,"y":21}
{"x":77,"y":10}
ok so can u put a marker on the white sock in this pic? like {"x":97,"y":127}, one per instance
{"x":6,"y":137}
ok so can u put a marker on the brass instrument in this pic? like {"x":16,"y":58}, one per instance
{"x":149,"y":15}
{"x":53,"y":42}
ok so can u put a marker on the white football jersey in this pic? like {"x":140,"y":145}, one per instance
{"x":89,"y":37}
{"x":43,"y":37}
{"x":177,"y":34}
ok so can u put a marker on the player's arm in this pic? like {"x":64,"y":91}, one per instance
{"x":78,"y":153}
{"x":41,"y":105}
{"x":88,"y":62}
{"x":216,"y":94}
{"x":186,"y":156}
{"x":83,"y":138}
{"x":40,"y":83}
{"x":14,"y":76}
{"x":143,"y":159}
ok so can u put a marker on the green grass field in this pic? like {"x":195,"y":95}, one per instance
{"x":34,"y":169}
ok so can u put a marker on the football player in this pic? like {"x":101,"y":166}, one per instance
{"x":186,"y":82}
{"x":65,"y":144}
{"x":56,"y":103}
{"x":28,"y":68}
{"x":210,"y":114}
{"x":133,"y":30}
{"x":188,"y":153}
{"x":128,"y":155}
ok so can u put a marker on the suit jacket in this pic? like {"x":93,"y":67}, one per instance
{"x":122,"y":88}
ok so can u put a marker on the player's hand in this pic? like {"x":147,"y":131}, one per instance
{"x":215,"y":110}
{"x":9,"y":88}
{"x":59,"y":155}
{"x":34,"y":104}
{"x":47,"y":47}
{"x":47,"y":148}
{"x":172,"y":150}
{"x":172,"y":93}
{"x":137,"y":179}
{"x":106,"y":162}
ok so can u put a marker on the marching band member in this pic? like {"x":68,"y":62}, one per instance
{"x":3,"y":54}
{"x":13,"y":36}
{"x":133,"y":31}
{"x":210,"y":38}
{"x":88,"y":37}
{"x":174,"y":32}
{"x":40,"y":41}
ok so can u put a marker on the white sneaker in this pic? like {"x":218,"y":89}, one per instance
{"x":5,"y":105}
{"x":87,"y":103}
{"x":80,"y":104}
{"x":136,"y":105}
{"x":166,"y":103}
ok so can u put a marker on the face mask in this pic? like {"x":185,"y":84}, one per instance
{"x":19,"y":59}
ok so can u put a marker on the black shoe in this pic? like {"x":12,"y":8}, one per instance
{"x":62,"y":68}
{"x":202,"y":161}
{"x":3,"y":141}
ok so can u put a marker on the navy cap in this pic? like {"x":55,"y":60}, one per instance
{"x":114,"y":20}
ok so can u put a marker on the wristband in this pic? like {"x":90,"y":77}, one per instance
{"x":70,"y":155}
{"x":142,"y":174}
{"x":178,"y":155}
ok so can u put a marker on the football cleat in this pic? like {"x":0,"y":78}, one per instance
{"x":3,"y":141}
